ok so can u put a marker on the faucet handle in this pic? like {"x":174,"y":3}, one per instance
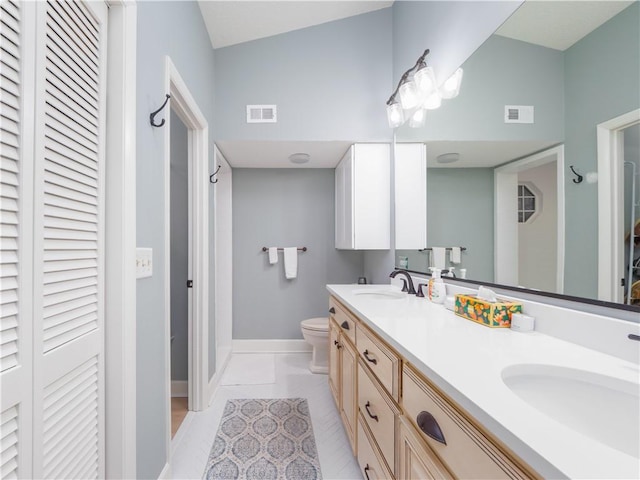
{"x":419,"y":292}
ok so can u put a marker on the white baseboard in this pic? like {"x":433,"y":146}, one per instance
{"x":270,"y":346}
{"x":165,"y":474}
{"x":215,"y":380}
{"x":179,"y":388}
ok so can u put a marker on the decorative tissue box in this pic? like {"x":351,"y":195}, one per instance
{"x":496,"y":315}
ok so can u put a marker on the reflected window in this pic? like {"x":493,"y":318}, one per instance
{"x":527,"y":203}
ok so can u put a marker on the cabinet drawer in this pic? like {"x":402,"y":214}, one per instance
{"x":379,"y":414}
{"x":382,"y":361}
{"x":467,"y":451}
{"x":416,"y":461}
{"x":371,"y":465}
{"x":345,"y":321}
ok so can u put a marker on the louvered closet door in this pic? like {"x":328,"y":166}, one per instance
{"x":16,"y":199}
{"x":69,"y":241}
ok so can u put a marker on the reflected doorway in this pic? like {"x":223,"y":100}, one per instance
{"x":529,"y":221}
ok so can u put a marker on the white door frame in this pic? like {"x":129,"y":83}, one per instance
{"x":611,"y":205}
{"x":506,"y":221}
{"x":185,"y":106}
{"x":120,"y":242}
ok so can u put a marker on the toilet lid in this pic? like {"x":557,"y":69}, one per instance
{"x":320,"y":324}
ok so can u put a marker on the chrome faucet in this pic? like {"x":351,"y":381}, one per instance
{"x":409,"y":282}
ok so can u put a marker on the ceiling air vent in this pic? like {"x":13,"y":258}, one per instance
{"x":262,"y":114}
{"x":518,"y":114}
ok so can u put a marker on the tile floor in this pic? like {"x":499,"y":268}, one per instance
{"x":191,"y":445}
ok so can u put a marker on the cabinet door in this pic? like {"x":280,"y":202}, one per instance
{"x":417,"y":461}
{"x":410,"y":169}
{"x":334,"y":362}
{"x":344,"y":202}
{"x":372,"y":196}
{"x":348,"y":390}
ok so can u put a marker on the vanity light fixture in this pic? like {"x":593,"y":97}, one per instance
{"x":418,"y":91}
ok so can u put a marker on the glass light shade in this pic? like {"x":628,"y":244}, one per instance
{"x":433,"y":101}
{"x":418,"y":118}
{"x":451,"y":88}
{"x":395,"y":115}
{"x":425,"y":79}
{"x":409,"y":95}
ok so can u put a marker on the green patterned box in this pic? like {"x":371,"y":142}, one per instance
{"x":496,"y":315}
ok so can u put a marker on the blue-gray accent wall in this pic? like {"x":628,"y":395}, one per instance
{"x":329,"y":82}
{"x":284,"y":208}
{"x":460,"y":213}
{"x":175,"y":29}
{"x":602,"y":74}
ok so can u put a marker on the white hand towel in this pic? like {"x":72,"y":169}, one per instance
{"x":290,"y":262}
{"x":273,"y":255}
{"x":438,"y":256}
{"x":454,"y":255}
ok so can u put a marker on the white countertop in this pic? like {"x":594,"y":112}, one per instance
{"x":466,"y":360}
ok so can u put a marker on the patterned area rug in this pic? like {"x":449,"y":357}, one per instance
{"x":265,"y":439}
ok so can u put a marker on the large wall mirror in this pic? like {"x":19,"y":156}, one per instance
{"x":578,"y":65}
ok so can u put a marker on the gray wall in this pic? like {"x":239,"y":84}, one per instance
{"x":284,"y":208}
{"x":188,"y":46}
{"x":179,"y":249}
{"x":501,"y":72}
{"x":459,"y":213}
{"x":602,"y":74}
{"x":329,"y":82}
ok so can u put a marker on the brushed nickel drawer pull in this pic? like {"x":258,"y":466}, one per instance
{"x":428,"y":425}
{"x":372,"y":360}
{"x":345,"y":325}
{"x":375,"y":417}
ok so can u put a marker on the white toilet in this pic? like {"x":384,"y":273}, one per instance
{"x":316,"y":332}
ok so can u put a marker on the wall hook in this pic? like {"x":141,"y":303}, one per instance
{"x":579,"y":177}
{"x":153,"y":114}
{"x":213,"y":175}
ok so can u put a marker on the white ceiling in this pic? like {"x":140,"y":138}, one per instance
{"x":482,"y":154}
{"x":558,"y":24}
{"x":232,"y":22}
{"x":263,"y":154}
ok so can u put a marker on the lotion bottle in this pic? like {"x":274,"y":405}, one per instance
{"x":430,"y":284}
{"x":438,"y":289}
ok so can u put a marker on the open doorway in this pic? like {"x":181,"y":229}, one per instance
{"x":184,"y":107}
{"x":529,"y":221}
{"x":613,"y":250}
{"x":180,"y":271}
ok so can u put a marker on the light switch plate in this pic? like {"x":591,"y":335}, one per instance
{"x":144,"y":262}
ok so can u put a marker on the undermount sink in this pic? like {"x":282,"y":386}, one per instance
{"x":603,"y":408}
{"x":380,"y":294}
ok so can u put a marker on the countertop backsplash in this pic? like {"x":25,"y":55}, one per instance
{"x":599,"y":332}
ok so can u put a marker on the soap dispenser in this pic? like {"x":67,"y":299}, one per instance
{"x":438,"y":288}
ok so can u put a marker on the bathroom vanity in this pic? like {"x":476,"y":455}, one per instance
{"x":425,"y":394}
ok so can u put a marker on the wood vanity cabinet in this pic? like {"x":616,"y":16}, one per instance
{"x":399,"y":423}
{"x":343,"y":376}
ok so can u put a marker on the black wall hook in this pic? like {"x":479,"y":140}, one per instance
{"x":579,"y":177}
{"x":213,"y":175}
{"x":153,"y":114}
